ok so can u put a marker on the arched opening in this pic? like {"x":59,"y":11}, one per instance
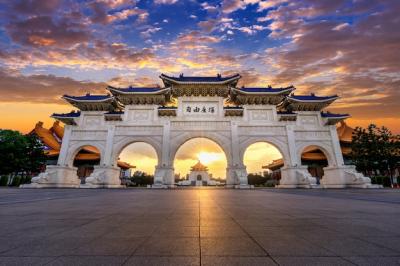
{"x":137,"y":161}
{"x":85,"y":160}
{"x":315,"y":159}
{"x":199,"y":162}
{"x":263,"y":162}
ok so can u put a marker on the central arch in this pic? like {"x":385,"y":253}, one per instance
{"x":219,"y":139}
{"x":200,"y":159}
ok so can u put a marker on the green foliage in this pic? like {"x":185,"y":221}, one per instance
{"x":142,"y":179}
{"x":258,"y":180}
{"x":35,"y":154}
{"x":375,"y":148}
{"x":3,"y":180}
{"x":20,"y":153}
{"x":381,"y":180}
{"x":16,"y":181}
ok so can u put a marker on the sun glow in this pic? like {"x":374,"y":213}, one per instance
{"x":208,"y":157}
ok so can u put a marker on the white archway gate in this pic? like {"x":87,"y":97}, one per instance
{"x":208,"y":107}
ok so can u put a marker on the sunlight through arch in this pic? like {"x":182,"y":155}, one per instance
{"x":141,"y":155}
{"x":259,"y":155}
{"x":204,"y":150}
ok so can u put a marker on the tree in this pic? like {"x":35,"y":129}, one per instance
{"x":19,"y":153}
{"x":375,"y":149}
{"x":142,"y":179}
{"x":12,"y":151}
{"x":36,"y":157}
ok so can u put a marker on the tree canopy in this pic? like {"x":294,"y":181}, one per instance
{"x":375,"y":148}
{"x":20,"y":153}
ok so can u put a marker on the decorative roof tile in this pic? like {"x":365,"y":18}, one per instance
{"x":199,"y":79}
{"x":67,"y":115}
{"x":137,"y":89}
{"x":312,"y":97}
{"x":265,"y":89}
{"x":88,"y":97}
{"x":332,"y":115}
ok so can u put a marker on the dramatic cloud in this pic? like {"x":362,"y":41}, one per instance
{"x":340,"y":47}
{"x":42,"y":88}
{"x":44,"y":31}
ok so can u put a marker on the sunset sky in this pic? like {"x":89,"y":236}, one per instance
{"x":53,"y":47}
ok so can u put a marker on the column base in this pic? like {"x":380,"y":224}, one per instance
{"x":236,"y":175}
{"x":103,"y":177}
{"x":296,"y":177}
{"x":164,"y":176}
{"x":345,"y":176}
{"x":55,"y":176}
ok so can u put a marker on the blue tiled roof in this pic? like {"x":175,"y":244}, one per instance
{"x":137,"y":89}
{"x":217,"y":78}
{"x":312,"y":97}
{"x":89,"y":97}
{"x":71,"y":114}
{"x":331,"y":115}
{"x":267,"y":89}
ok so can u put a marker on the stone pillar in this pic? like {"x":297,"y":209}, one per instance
{"x":164,"y":173}
{"x":62,"y":157}
{"x":236,"y":174}
{"x":107,"y":174}
{"x":338,"y":156}
{"x":107,"y":156}
{"x":289,"y":170}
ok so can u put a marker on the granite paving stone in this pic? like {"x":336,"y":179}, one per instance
{"x":199,"y":227}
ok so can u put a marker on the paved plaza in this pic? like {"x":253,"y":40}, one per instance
{"x":199,"y":226}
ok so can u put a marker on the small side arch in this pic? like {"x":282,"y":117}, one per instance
{"x":118,"y":148}
{"x":282,"y":147}
{"x":326,"y":150}
{"x":76,"y":148}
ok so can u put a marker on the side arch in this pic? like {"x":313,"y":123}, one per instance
{"x":74,"y":149}
{"x":281,"y":146}
{"x":121,"y":145}
{"x":222,"y":141}
{"x":327,"y":150}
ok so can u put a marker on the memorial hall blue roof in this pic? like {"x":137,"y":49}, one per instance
{"x":312,"y":97}
{"x":332,"y":115}
{"x":89,"y":97}
{"x":67,"y":115}
{"x":217,"y":78}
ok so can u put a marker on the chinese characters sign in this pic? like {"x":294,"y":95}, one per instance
{"x":200,"y":109}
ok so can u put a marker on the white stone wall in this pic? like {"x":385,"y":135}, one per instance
{"x":259,"y":123}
